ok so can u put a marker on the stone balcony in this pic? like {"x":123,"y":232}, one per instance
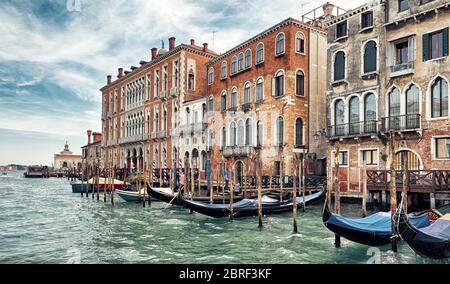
{"x":237,"y":151}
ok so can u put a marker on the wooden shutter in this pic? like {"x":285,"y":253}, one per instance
{"x":390,"y":54}
{"x":411,"y":49}
{"x":445,"y":41}
{"x":425,"y":47}
{"x":273,"y":87}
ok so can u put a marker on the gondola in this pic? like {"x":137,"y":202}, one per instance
{"x":375,"y":230}
{"x":249,"y":207}
{"x":166,"y":195}
{"x":133,"y":196}
{"x":432,"y":241}
{"x":78,"y":187}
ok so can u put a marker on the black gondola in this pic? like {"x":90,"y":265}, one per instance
{"x":166,"y":195}
{"x":432,"y":241}
{"x":248,"y":207}
{"x":375,"y":230}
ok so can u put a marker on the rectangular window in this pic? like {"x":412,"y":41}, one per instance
{"x":343,"y":158}
{"x":435,"y":45}
{"x":277,"y":168}
{"x":403,"y":5}
{"x":369,"y":157}
{"x":341,"y":30}
{"x":442,"y":148}
{"x":401,"y":52}
{"x":367,"y":20}
{"x":422,"y":2}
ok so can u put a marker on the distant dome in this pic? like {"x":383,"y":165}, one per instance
{"x":162,"y":50}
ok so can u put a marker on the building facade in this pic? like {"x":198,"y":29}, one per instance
{"x":264,"y":96}
{"x":66,"y":160}
{"x":92,"y":151}
{"x":388,"y":71}
{"x":141,"y":109}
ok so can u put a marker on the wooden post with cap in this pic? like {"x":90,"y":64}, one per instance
{"x":393,"y":185}
{"x":337,"y":202}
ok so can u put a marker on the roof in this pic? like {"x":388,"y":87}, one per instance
{"x":353,"y":12}
{"x":289,"y":21}
{"x":160,"y":58}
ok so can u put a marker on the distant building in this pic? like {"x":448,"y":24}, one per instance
{"x":67,"y":160}
{"x":92,"y":152}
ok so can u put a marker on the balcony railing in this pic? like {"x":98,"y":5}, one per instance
{"x":193,"y":128}
{"x":352,"y":129}
{"x":163,"y":95}
{"x":134,"y":138}
{"x":247,"y":107}
{"x":409,"y":122}
{"x":402,"y":69}
{"x":237,"y":151}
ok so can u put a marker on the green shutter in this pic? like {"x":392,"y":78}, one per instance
{"x":446,"y":42}
{"x":425,"y":47}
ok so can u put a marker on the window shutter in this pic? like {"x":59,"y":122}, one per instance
{"x":425,"y":47}
{"x":411,"y":49}
{"x":273,"y":87}
{"x":390,"y":55}
{"x":445,"y":41}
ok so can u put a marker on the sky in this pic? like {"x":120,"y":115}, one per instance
{"x":55,"y":56}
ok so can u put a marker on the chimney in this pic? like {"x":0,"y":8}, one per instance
{"x":328,"y":9}
{"x":205,"y":47}
{"x":89,"y":133}
{"x":154,"y":52}
{"x":120,"y":75}
{"x":109,"y":79}
{"x":192,"y":41}
{"x":172,"y":43}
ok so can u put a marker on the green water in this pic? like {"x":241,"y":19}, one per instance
{"x":41,"y":221}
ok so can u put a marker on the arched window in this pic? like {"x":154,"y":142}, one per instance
{"x":247,"y":98}
{"x":223,"y":70}
{"x":241,"y":133}
{"x":211,"y":104}
{"x":339,"y":117}
{"x":223,"y":102}
{"x":260,"y":90}
{"x":394,"y":109}
{"x":188,"y":116}
{"x":248,"y":58}
{"x":353,"y":115}
{"x":280,"y":131}
{"x":248,"y":132}
{"x":241,"y":62}
{"x":370,"y":113}
{"x":439,"y":98}
{"x":164,"y":126}
{"x":259,"y":134}
{"x":234,"y":67}
{"x":279,"y":84}
{"x":299,"y":132}
{"x":259,"y":53}
{"x":224,"y":137}
{"x":203,"y":161}
{"x":412,"y":100}
{"x":211,"y":76}
{"x":233,"y":134}
{"x":370,"y":57}
{"x":300,"y":82}
{"x":279,"y":48}
{"x":300,"y":43}
{"x":234,"y":99}
{"x":339,"y":66}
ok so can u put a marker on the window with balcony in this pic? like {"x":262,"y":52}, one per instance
{"x":300,"y":43}
{"x":223,"y":70}
{"x":300,"y":84}
{"x":223,"y":102}
{"x":353,"y":116}
{"x":403,"y":5}
{"x":299,"y":125}
{"x":259,"y":53}
{"x":370,"y":113}
{"x":442,"y":146}
{"x":367,"y":20}
{"x":439,"y":99}
{"x":248,"y":132}
{"x":339,"y":66}
{"x":280,"y":132}
{"x":370,"y":57}
{"x":260,"y":90}
{"x":435,"y":45}
{"x":341,"y":30}
{"x":279,"y":46}
{"x":279,"y":84}
{"x":394,"y":109}
{"x":400,"y":55}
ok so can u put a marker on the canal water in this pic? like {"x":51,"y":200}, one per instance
{"x":41,"y":221}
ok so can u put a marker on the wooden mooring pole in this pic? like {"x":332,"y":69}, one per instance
{"x":295,"y":209}
{"x":364,"y":197}
{"x":393,"y":185}
{"x":337,"y":197}
{"x":259,"y":185}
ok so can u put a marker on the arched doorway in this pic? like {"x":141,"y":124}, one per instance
{"x":239,"y":171}
{"x":411,"y":159}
